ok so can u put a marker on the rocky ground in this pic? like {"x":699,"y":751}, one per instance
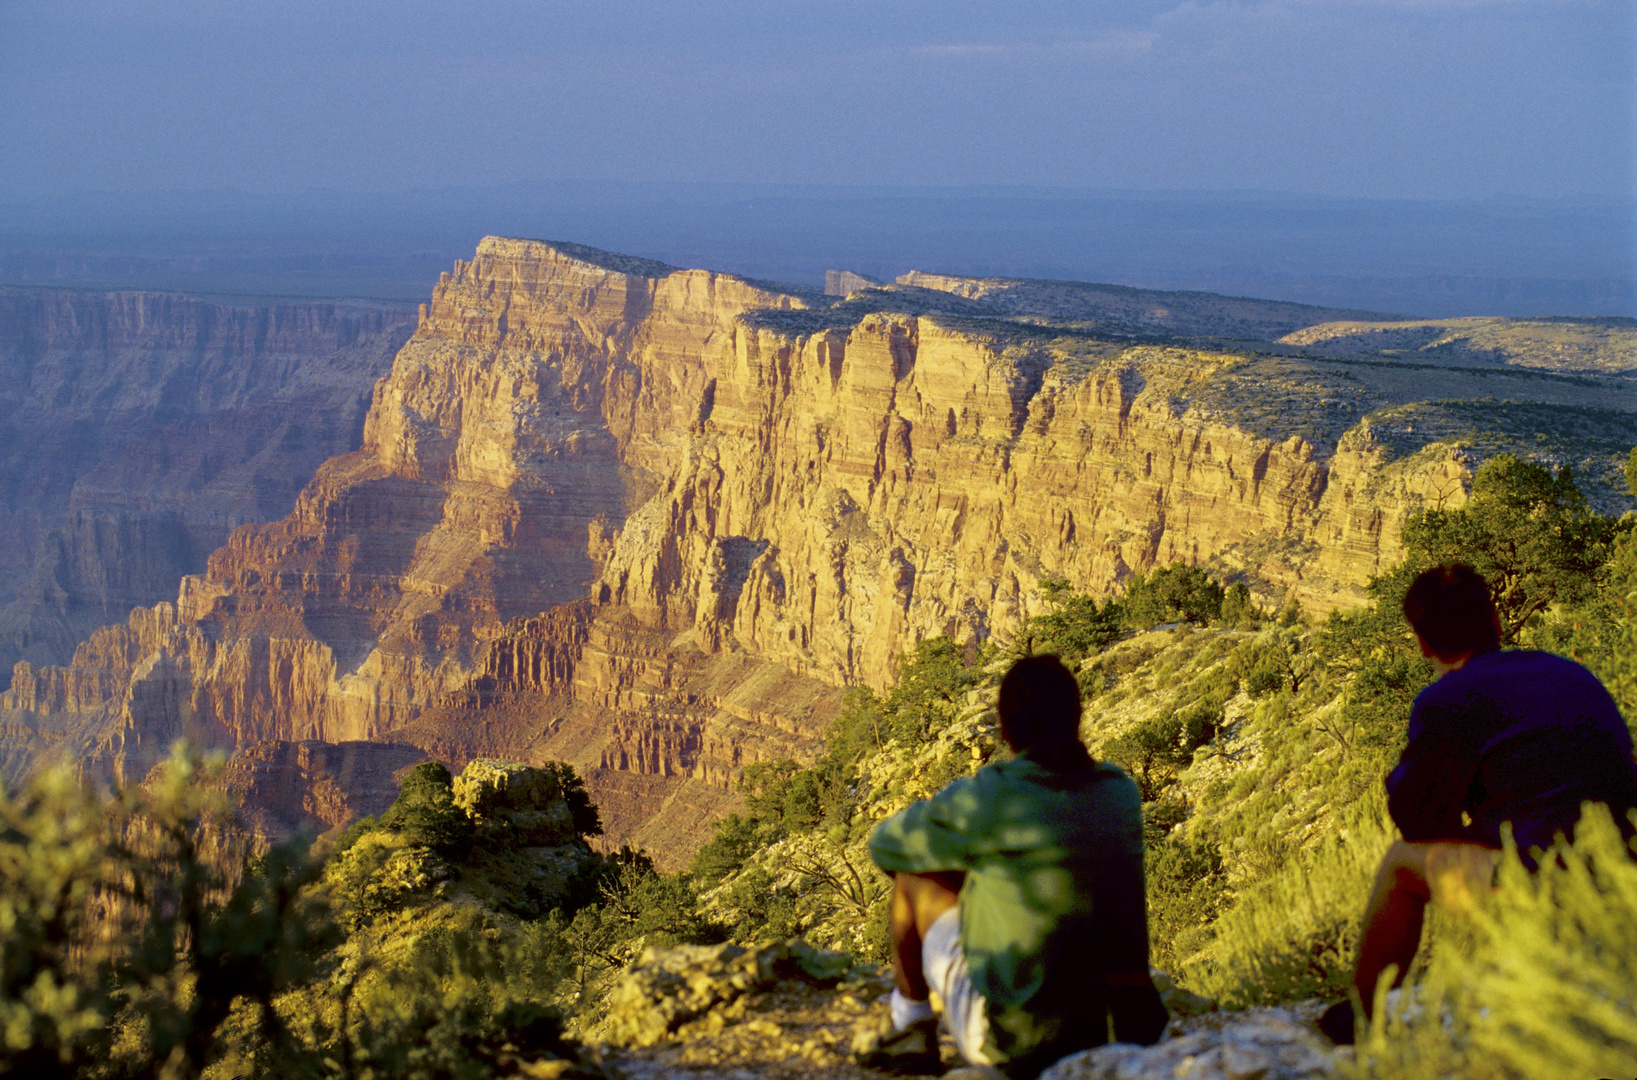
{"x":789,"y":1011}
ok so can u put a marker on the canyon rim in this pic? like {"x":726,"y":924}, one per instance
{"x":654,"y":521}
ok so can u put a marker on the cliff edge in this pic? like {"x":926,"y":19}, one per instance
{"x":652,"y":521}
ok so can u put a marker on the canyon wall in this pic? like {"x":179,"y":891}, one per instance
{"x":138,"y":429}
{"x":653,"y":521}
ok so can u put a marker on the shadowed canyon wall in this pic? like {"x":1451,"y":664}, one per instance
{"x":652,"y":521}
{"x":138,"y":429}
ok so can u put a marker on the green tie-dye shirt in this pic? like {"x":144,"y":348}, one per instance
{"x":1053,"y":898}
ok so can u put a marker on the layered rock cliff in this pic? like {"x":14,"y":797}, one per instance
{"x":652,"y":521}
{"x":138,"y":429}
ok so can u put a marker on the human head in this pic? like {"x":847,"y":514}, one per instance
{"x":1039,"y":704}
{"x":1449,"y":609}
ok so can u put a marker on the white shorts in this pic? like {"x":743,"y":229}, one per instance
{"x":965,"y":1011}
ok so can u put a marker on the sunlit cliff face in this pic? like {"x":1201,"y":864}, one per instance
{"x":652,"y":521}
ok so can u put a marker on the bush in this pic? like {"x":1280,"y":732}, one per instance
{"x":1239,"y":611}
{"x":733,"y":840}
{"x":54,"y":859}
{"x":1529,"y":533}
{"x":1076,"y":627}
{"x":465,"y":998}
{"x":1186,"y":888}
{"x":1293,"y":936}
{"x":1544,"y":984}
{"x":1156,"y":750}
{"x":425,"y":811}
{"x":1176,"y":593}
{"x":131,"y":932}
{"x":1602,"y":632}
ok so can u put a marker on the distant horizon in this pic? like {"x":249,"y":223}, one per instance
{"x":1569,"y":255}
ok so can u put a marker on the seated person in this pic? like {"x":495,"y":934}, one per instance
{"x":1518,"y":736}
{"x":1018,"y":896}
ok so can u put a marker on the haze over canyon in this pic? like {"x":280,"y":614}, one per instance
{"x":653,"y":521}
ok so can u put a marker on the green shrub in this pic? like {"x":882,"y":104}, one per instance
{"x":463,"y":998}
{"x":733,"y":840}
{"x":1529,"y":533}
{"x":1176,"y":593}
{"x":1186,"y":886}
{"x":54,"y":859}
{"x":132,"y":932}
{"x":425,"y":811}
{"x":1076,"y":627}
{"x":1156,"y":750}
{"x":1239,"y":611}
{"x":1601,"y":632}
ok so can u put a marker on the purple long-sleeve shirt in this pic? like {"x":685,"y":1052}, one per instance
{"x":1519,"y":736}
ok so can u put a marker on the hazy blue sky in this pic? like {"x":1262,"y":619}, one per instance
{"x":1416,"y":98}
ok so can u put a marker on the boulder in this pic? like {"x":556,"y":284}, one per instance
{"x":1257,"y":1044}
{"x":514,"y":803}
{"x":667,"y":988}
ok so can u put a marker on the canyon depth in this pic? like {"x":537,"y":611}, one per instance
{"x":654,"y":521}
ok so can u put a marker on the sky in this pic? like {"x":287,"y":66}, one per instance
{"x":1398,"y":99}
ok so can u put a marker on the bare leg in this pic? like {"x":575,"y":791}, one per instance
{"x":917,"y":902}
{"x":1393,"y":918}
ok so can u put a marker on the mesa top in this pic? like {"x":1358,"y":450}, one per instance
{"x":1520,"y":736}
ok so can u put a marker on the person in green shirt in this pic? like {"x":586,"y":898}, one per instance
{"x":1018,"y":896}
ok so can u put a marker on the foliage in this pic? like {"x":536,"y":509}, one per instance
{"x":425,"y":811}
{"x":1295,"y":935}
{"x":1529,"y":533}
{"x":1544,"y":983}
{"x":734,"y":839}
{"x":460,"y":1002}
{"x":1176,"y":593}
{"x":55,"y":994}
{"x":1238,"y":609}
{"x":634,"y":907}
{"x":130,"y":930}
{"x":136,"y":940}
{"x":1187,"y":890}
{"x":931,"y":682}
{"x":1601,"y":632}
{"x":1155,"y":750}
{"x":587,"y":821}
{"x":1076,"y":627}
{"x":577,"y":930}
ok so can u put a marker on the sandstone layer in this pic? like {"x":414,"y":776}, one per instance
{"x":653,"y":521}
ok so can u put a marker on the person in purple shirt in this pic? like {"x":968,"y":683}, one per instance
{"x":1515,"y":737}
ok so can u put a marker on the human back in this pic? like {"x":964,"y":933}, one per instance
{"x":1501,"y":736}
{"x":1501,"y":740}
{"x":1047,"y":848}
{"x":1056,"y":857}
{"x":1057,"y":906}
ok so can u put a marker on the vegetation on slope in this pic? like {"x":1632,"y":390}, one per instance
{"x":1259,"y":743}
{"x":471,"y":929}
{"x":453,"y":937}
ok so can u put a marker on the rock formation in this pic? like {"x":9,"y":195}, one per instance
{"x":138,"y":429}
{"x":287,"y":787}
{"x":652,"y":521}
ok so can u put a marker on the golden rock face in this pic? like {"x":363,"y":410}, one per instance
{"x":651,"y":521}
